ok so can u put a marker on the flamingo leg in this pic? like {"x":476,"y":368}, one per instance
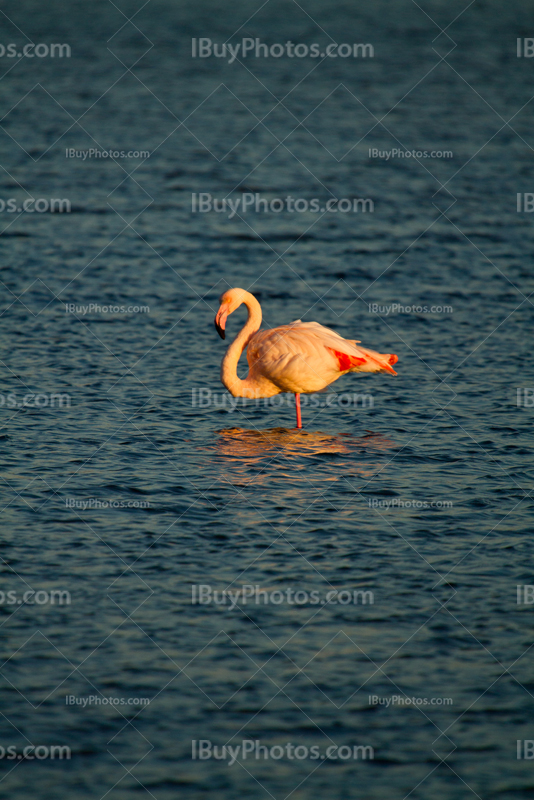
{"x":297,"y":406}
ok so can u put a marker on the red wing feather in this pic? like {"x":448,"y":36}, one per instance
{"x":345,"y":361}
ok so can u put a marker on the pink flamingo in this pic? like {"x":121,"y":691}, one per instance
{"x":301,"y":357}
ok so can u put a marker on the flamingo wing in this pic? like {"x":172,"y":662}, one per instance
{"x":306,"y":356}
{"x":350,"y":357}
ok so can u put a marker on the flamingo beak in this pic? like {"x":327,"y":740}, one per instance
{"x":220,"y":320}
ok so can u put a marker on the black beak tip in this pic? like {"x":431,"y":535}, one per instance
{"x":220,"y":331}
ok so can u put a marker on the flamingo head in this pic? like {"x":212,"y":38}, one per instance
{"x":229,"y":302}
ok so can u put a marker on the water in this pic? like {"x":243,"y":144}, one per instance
{"x":420,"y":497}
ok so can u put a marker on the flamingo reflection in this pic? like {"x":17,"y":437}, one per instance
{"x":259,"y":455}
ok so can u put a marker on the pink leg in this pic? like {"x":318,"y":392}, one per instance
{"x":297,"y":406}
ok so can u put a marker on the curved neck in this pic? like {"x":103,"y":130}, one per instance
{"x":236,"y":386}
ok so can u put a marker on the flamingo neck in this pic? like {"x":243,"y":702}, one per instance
{"x":236,"y":386}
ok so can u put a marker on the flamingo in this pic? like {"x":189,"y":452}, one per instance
{"x":301,"y":357}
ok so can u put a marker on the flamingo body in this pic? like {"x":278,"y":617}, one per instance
{"x":305,"y":357}
{"x":302,"y":357}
